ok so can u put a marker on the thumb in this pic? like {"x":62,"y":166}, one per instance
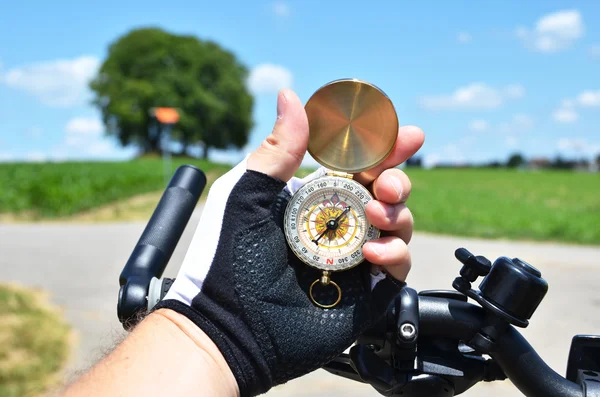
{"x":281,"y":154}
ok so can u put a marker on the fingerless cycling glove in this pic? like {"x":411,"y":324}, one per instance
{"x":254,"y":304}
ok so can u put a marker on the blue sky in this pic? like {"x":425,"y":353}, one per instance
{"x":482,"y":79}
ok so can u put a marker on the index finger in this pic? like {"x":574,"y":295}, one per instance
{"x":410,"y":139}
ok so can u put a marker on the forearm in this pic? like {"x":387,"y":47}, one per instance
{"x":166,"y":354}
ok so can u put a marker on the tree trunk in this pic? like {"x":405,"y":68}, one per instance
{"x":205,"y":152}
{"x":154,"y":145}
{"x":184,"y":147}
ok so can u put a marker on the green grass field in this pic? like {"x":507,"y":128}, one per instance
{"x":59,"y":189}
{"x":496,"y":203}
{"x":492,"y":203}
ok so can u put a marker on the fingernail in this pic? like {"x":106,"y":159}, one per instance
{"x":378,"y":249}
{"x":397,"y":185}
{"x":281,"y":103}
{"x":382,"y":210}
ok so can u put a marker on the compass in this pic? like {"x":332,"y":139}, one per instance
{"x":353,"y":127}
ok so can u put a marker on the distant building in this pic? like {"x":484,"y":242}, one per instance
{"x":559,"y":163}
{"x":538,"y":163}
{"x":586,"y":166}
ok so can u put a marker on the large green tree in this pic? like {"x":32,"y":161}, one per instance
{"x":150,"y":67}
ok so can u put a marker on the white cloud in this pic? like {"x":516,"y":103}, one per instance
{"x":595,"y":51}
{"x":81,"y":131}
{"x":474,"y":96}
{"x":567,"y":112}
{"x":566,"y":23}
{"x":565,"y":115}
{"x":85,"y":134}
{"x":268,"y":78}
{"x":35,"y":157}
{"x":84,"y":139}
{"x":553,"y":32}
{"x":589,"y":99}
{"x":463,"y":37}
{"x":479,"y":125}
{"x":84,"y":126}
{"x":281,"y":9}
{"x":58,"y":83}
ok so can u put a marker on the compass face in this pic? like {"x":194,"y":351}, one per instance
{"x":326,"y":224}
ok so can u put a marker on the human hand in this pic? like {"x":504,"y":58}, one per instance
{"x":247,"y":291}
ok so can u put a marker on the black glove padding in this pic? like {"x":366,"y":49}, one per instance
{"x":254,"y":302}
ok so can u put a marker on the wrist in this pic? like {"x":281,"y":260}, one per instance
{"x":206,"y":348}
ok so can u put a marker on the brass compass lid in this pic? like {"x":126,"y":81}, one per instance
{"x":353,"y":125}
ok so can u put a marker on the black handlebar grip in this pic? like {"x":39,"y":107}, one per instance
{"x":160,"y":237}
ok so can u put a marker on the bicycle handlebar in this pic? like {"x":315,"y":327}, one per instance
{"x":518,"y":359}
{"x":158,"y":241}
{"x":527,"y":371}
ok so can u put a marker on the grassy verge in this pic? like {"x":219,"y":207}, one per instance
{"x":34,"y":342}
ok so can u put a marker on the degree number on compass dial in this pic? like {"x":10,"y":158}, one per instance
{"x":326,"y":224}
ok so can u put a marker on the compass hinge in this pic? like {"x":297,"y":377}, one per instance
{"x":340,"y":174}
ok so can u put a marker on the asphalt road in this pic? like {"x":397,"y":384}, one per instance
{"x":79,"y":264}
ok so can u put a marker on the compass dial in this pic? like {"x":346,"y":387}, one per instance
{"x":326,"y":224}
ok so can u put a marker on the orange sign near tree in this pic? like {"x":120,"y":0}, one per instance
{"x":166,"y":115}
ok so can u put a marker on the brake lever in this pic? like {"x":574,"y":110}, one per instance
{"x":342,"y":367}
